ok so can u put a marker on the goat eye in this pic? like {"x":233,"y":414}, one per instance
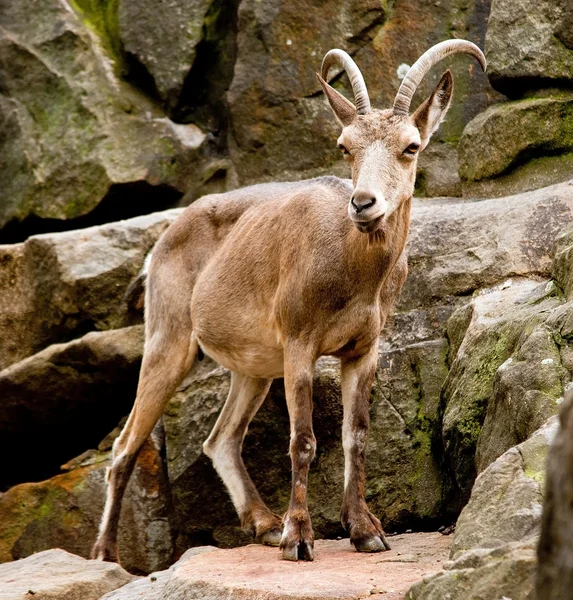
{"x":412,"y":149}
{"x":343,"y":150}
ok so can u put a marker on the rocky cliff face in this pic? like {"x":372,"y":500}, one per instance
{"x":115,"y":108}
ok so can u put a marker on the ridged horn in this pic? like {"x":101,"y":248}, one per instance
{"x":343,"y":59}
{"x":432,"y":56}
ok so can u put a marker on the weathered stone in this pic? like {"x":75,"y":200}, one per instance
{"x":65,"y":512}
{"x":526,"y":391}
{"x":255,"y":573}
{"x":494,"y":161}
{"x":458,"y":247}
{"x":275,"y":102}
{"x":164,"y":37}
{"x":494,"y":543}
{"x":152,"y":586}
{"x":528,"y":44}
{"x":63,"y":399}
{"x":504,"y":323}
{"x":506,"y":572}
{"x":563,"y":262}
{"x":54,"y":286}
{"x":555,"y":550}
{"x":505,"y":505}
{"x":56,"y":574}
{"x":72,"y":130}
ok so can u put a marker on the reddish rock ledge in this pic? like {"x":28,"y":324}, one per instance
{"x":257,"y":572}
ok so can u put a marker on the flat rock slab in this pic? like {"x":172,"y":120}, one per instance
{"x":258,"y":573}
{"x":59,"y":575}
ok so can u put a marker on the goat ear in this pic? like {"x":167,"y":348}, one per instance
{"x":343,"y":109}
{"x":432,"y":111}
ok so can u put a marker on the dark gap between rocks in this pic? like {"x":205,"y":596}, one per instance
{"x":520,"y":87}
{"x":123,"y":201}
{"x":202,"y":100}
{"x":46,"y":440}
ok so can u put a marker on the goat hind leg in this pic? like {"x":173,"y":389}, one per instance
{"x":162,"y":370}
{"x":357,"y":375}
{"x":224,"y":448}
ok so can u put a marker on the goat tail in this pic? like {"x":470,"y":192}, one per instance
{"x":134,"y":297}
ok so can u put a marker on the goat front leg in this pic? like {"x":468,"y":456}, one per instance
{"x":298,"y":538}
{"x":357,"y":376}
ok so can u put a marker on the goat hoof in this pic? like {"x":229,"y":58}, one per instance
{"x":272,"y":537}
{"x":301,"y":551}
{"x":101,"y":551}
{"x":372,"y":544}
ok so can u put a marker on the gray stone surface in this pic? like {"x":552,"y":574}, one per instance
{"x":506,"y":572}
{"x":58,"y":575}
{"x":529,"y":40}
{"x":505,"y":505}
{"x":55,"y":285}
{"x":164,"y":37}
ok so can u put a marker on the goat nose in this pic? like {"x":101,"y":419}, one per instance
{"x":362,"y":200}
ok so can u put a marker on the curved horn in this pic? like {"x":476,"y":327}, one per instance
{"x":432,"y":56}
{"x":341,"y":58}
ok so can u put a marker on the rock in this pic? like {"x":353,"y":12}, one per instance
{"x":528,"y":43}
{"x":65,"y":398}
{"x":58,"y":574}
{"x":493,"y":552}
{"x":56,"y":286}
{"x":72,"y":131}
{"x":493,"y":161}
{"x":563,"y":262}
{"x":505,"y":331}
{"x":506,"y":572}
{"x":458,"y":247}
{"x":555,"y":550}
{"x":403,"y":474}
{"x":274,"y":83}
{"x":255,"y":572}
{"x":151,"y":587}
{"x":506,"y":499}
{"x":65,"y":512}
{"x":164,"y":38}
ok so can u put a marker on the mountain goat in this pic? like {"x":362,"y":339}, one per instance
{"x":267,"y":279}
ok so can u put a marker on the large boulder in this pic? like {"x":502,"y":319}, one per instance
{"x":555,"y":551}
{"x":73,"y":133}
{"x":64,"y":399}
{"x":493,"y":161}
{"x":493,"y":554}
{"x":457,"y":247}
{"x":487,"y":574}
{"x":65,"y":511}
{"x":276,"y":104}
{"x":529,"y":43}
{"x":163,"y":37}
{"x":56,"y":574}
{"x":56,"y":286}
{"x":505,"y":378}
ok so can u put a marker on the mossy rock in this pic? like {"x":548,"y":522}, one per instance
{"x":504,"y":149}
{"x":73,"y":129}
{"x":64,"y":512}
{"x":505,"y":323}
{"x":529,"y":44}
